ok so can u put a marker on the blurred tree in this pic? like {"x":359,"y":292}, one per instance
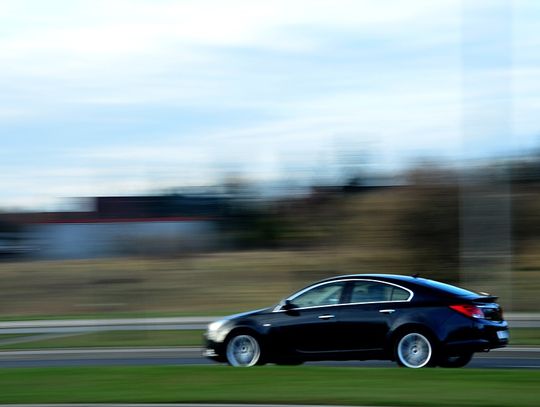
{"x":431,"y":231}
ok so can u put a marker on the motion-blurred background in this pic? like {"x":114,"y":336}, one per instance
{"x":200,"y":158}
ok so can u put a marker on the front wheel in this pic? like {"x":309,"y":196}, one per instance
{"x":456,"y":361}
{"x":243,"y":350}
{"x":414,"y":350}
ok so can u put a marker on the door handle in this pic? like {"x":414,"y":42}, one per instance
{"x":387,"y":311}
{"x":326,"y":316}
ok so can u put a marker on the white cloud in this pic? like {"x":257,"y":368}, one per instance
{"x":301,"y":76}
{"x":121,"y":52}
{"x":120,"y":26}
{"x":101,"y":31}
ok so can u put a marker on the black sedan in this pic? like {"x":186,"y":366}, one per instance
{"x":414,"y":321}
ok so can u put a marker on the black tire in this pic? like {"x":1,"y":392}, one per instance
{"x":243,"y":349}
{"x":415,"y":350}
{"x":456,"y":360}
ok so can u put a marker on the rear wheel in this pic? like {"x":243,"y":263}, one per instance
{"x":414,"y":350}
{"x":243,"y":350}
{"x":456,"y":360}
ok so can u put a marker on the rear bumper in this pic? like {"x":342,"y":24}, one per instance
{"x":477,"y":345}
{"x":482,"y":336}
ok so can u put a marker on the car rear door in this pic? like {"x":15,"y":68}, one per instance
{"x":370,"y":309}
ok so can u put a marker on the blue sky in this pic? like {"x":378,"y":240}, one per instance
{"x":121,"y":97}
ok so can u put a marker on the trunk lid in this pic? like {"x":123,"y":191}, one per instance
{"x":492,"y":310}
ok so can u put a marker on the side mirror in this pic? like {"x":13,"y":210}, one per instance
{"x":287,"y":305}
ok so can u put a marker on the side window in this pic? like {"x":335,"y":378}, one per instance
{"x":326,"y":294}
{"x":399,"y":294}
{"x":371,"y":291}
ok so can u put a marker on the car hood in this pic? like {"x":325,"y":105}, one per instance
{"x":247,"y":314}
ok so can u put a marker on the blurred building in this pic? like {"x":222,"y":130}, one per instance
{"x":119,"y":226}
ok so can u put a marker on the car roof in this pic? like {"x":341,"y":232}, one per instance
{"x":384,"y":277}
{"x":410,"y":282}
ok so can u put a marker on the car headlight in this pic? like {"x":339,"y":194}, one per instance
{"x":214,"y":331}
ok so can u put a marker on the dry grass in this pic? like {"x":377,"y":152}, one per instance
{"x":208,"y":284}
{"x":211,"y":284}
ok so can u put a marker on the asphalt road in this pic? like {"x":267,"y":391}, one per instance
{"x":511,"y":358}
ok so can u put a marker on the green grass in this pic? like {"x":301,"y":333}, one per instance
{"x":12,"y":336}
{"x":272,"y":384}
{"x":525,"y":336}
{"x":110,"y":315}
{"x":115,"y":339}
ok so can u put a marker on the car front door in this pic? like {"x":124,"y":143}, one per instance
{"x":308,"y":326}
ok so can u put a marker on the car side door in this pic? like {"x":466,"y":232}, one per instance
{"x":368,"y":314}
{"x":308,"y":326}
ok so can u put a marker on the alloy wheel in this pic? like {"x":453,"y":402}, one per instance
{"x":243,"y":351}
{"x":414,"y":350}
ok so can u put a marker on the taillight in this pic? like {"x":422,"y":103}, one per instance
{"x":468,"y":310}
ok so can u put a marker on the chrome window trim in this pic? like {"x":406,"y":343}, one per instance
{"x":411,"y":294}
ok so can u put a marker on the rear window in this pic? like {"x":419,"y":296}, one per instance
{"x":372,"y":291}
{"x":450,"y":289}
